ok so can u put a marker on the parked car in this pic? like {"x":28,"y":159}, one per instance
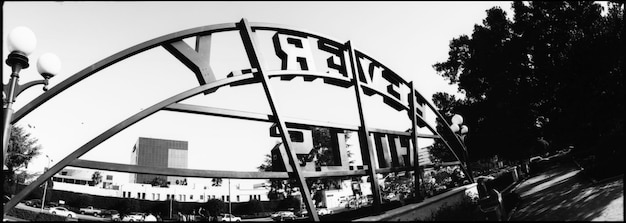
{"x":116,"y":217}
{"x":228,"y":217}
{"x":33,"y":203}
{"x":62,"y":212}
{"x":283,"y":216}
{"x":90,"y":210}
{"x":113,"y":215}
{"x":302,"y":213}
{"x":52,"y":204}
{"x":134,"y":216}
{"x":324,"y":211}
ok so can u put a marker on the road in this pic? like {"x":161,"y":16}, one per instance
{"x":564,"y":194}
{"x":79,"y":216}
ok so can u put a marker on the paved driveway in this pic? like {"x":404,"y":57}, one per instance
{"x":564,"y":194}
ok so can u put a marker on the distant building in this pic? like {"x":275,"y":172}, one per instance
{"x":78,"y":180}
{"x":159,"y":153}
{"x":83,"y":177}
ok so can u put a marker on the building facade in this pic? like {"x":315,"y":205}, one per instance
{"x":79,"y":180}
{"x":159,"y":153}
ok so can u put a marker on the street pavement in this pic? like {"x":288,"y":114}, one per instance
{"x":564,"y":193}
{"x":80,"y":217}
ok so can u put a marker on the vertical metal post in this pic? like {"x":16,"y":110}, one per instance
{"x":6,"y":134}
{"x":43,"y":199}
{"x":230,"y":201}
{"x":8,"y":110}
{"x":363,"y":132}
{"x":418,"y":172}
{"x":255,"y":62}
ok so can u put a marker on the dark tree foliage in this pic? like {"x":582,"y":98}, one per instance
{"x":216,"y":182}
{"x":556,"y":70}
{"x":215,"y":207}
{"x":21,"y":149}
{"x":157,"y":181}
{"x":96,"y":178}
{"x":250,"y":207}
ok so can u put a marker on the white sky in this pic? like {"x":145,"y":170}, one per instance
{"x":407,"y":37}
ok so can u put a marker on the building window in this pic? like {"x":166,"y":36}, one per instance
{"x":109,"y":177}
{"x":153,"y":196}
{"x":296,"y":136}
{"x":64,"y":173}
{"x":202,"y":197}
{"x":251,"y":197}
{"x":143,"y":196}
{"x":227,"y":197}
{"x":159,"y":197}
{"x":237,"y":198}
{"x":191,"y":197}
{"x":223,"y":198}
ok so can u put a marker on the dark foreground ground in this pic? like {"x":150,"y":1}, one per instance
{"x":564,"y":192}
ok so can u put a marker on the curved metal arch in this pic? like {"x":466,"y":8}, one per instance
{"x":449,"y":130}
{"x":106,"y":62}
{"x":159,"y":41}
{"x":119,"y":127}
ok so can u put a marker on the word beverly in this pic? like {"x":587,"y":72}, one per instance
{"x":309,"y":56}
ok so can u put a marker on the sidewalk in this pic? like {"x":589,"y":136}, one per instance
{"x":561,"y":193}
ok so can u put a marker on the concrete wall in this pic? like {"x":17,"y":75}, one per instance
{"x":426,"y":208}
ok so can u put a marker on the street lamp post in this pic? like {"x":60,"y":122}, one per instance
{"x":43,"y":199}
{"x":21,"y":43}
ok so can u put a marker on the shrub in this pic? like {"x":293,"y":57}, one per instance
{"x":466,"y":210}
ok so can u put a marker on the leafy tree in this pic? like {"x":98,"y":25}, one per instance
{"x":560,"y":64}
{"x":215,"y":207}
{"x":21,"y":149}
{"x":23,"y":177}
{"x":216,"y":182}
{"x":96,"y":178}
{"x":251,"y":207}
{"x":158,"y":181}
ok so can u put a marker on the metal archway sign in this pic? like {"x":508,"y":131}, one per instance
{"x":346,"y":67}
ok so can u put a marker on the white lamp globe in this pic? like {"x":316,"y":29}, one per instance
{"x":464,"y":129}
{"x":457,"y":119}
{"x":454,"y":127}
{"x":48,"y":65}
{"x":22,"y":39}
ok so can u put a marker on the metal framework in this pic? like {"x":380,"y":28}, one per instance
{"x":257,"y":74}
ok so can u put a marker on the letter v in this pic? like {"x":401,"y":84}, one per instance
{"x":196,"y":60}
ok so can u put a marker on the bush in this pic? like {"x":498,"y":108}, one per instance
{"x":443,"y":179}
{"x":466,"y":210}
